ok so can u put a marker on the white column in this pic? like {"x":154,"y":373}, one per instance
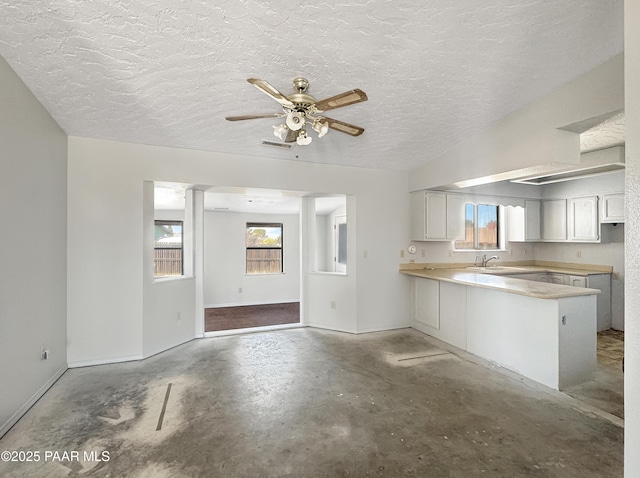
{"x":198,"y":259}
{"x":632,"y":232}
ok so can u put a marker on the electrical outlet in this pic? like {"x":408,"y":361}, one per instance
{"x":450,"y":253}
{"x":239,"y":290}
{"x":401,"y":252}
{"x":333,"y":304}
{"x":578,"y":253}
{"x":178,"y":316}
{"x":423,"y":253}
{"x":510,"y":251}
{"x":44,"y":354}
{"x":524,"y":251}
{"x":365,"y":254}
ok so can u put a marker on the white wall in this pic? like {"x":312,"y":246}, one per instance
{"x":169,"y":304}
{"x":610,"y":251}
{"x":33,"y":283}
{"x":529,"y":138}
{"x":325,"y":239}
{"x":225,"y":261}
{"x":106,"y":280}
{"x":632,"y":252}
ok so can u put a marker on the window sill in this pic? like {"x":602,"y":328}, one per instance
{"x":161,"y":279}
{"x":265,"y":274}
{"x":328,"y":273}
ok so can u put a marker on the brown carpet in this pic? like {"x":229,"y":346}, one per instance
{"x":228,"y":318}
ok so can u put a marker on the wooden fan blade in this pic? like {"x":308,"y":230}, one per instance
{"x":344,"y":99}
{"x":344,"y":127}
{"x":247,"y":117}
{"x":291,"y":136}
{"x":271,"y":91}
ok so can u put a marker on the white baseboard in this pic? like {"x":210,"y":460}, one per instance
{"x":335,"y":329}
{"x":240,"y":304}
{"x":90,"y":363}
{"x":34,"y":398}
{"x":384,"y":329}
{"x":251,"y":330}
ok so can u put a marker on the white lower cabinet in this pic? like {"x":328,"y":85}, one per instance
{"x":602,"y":282}
{"x":551,"y":341}
{"x":577,"y":281}
{"x":426,"y":303}
{"x":439,"y":309}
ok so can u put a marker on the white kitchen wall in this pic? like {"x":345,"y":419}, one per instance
{"x":225,"y":261}
{"x":33,"y":283}
{"x":106,"y":180}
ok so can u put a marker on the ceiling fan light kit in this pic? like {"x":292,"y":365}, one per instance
{"x":300,"y":108}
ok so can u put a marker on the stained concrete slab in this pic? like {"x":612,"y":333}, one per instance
{"x":310,"y":403}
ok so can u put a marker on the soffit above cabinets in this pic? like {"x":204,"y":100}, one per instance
{"x":602,"y":132}
{"x":601,"y":151}
{"x":591,"y":163}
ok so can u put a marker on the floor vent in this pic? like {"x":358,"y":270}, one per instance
{"x":275,"y":144}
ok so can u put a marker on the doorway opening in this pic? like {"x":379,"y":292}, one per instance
{"x":249,"y":316}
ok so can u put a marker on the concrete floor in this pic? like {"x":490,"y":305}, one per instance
{"x":605,"y":390}
{"x":311,"y":403}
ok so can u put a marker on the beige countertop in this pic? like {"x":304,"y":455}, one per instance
{"x":522,"y":267}
{"x":504,"y":283}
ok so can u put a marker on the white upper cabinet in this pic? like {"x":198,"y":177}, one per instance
{"x":554,"y":220}
{"x":583,"y":219}
{"x":436,"y":216}
{"x":523,"y":224}
{"x":612,"y":208}
{"x":455,"y":217}
{"x":531,"y":220}
{"x":428,"y":216}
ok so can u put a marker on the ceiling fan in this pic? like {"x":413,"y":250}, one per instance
{"x":299,"y":108}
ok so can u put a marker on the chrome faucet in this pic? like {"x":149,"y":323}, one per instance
{"x":485,"y":260}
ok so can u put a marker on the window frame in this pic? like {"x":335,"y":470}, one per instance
{"x":172,"y":222}
{"x":499,"y":229}
{"x":252,"y":248}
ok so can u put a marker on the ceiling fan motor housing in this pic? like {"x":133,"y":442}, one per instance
{"x":295,"y":120}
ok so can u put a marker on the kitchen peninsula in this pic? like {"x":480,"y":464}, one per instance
{"x":543,"y":331}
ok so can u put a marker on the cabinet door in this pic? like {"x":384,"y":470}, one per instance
{"x":436,"y":215}
{"x":613,"y":208}
{"x":418,"y":216}
{"x":554,"y":220}
{"x":455,"y":217}
{"x":531,"y":220}
{"x":515,"y":223}
{"x":578,"y":281}
{"x":426,"y":297}
{"x":583,"y":219}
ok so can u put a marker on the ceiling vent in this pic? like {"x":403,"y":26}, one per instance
{"x":274,"y":144}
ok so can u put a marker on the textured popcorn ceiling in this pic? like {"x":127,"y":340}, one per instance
{"x":167,"y":72}
{"x":605,"y":135}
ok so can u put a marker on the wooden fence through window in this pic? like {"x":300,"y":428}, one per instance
{"x":167,"y":262}
{"x":264,"y":261}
